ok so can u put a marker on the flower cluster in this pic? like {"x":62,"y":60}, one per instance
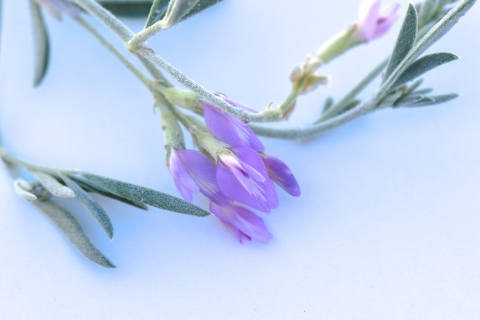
{"x":233,"y":171}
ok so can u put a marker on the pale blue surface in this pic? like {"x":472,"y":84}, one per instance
{"x":387,"y":226}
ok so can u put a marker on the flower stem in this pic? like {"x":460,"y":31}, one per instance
{"x":315,"y":129}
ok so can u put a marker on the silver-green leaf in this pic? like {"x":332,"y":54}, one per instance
{"x":147,"y":196}
{"x":171,"y":12}
{"x":405,"y":40}
{"x":435,"y":33}
{"x":91,"y":187}
{"x":53,"y":186}
{"x":41,"y":43}
{"x":433,"y":100}
{"x":424,"y":65}
{"x":127,"y":8}
{"x":72,"y":229}
{"x":91,"y":205}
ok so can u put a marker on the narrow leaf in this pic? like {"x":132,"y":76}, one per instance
{"x":157,"y":12}
{"x":90,"y":187}
{"x":22,"y":188}
{"x":408,"y":100}
{"x":427,"y":10}
{"x":414,"y":86}
{"x":147,"y":196}
{"x":174,"y":11}
{"x":201,"y":5}
{"x":423,"y":91}
{"x":41,"y":42}
{"x":433,"y":100}
{"x":422,"y":66}
{"x":435,"y":33}
{"x":405,"y":40}
{"x":91,"y":205}
{"x":72,"y":229}
{"x":53,"y":186}
{"x":328,"y":103}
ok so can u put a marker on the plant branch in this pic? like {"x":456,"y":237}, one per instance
{"x":339,"y":107}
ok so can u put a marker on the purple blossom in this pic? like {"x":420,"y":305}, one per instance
{"x":228,"y":128}
{"x":281,"y":174}
{"x":374,"y":22}
{"x":242,"y":176}
{"x":193,"y":172}
{"x":243,"y":223}
{"x":57,"y":7}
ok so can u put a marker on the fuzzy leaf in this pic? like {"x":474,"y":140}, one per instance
{"x":53,"y":186}
{"x":22,"y":188}
{"x":41,"y":42}
{"x":405,"y":40}
{"x":433,"y":100}
{"x":144,"y":195}
{"x":72,"y":229}
{"x":424,"y":65}
{"x":427,"y":10}
{"x":435,"y":33}
{"x":174,"y":11}
{"x":91,"y":205}
{"x":157,"y":12}
{"x":127,"y":8}
{"x":328,"y":103}
{"x":409,"y":100}
{"x":91,"y":187}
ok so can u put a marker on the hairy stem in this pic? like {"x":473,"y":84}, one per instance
{"x":315,"y":129}
{"x":338,"y":108}
{"x":12,"y":159}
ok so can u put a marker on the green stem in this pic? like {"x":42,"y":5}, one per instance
{"x":139,"y":74}
{"x":339,"y":107}
{"x":315,"y":129}
{"x":12,"y":159}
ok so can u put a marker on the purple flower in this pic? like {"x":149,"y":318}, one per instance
{"x":230,"y":129}
{"x":374,"y":22}
{"x":194,"y":172}
{"x":281,"y":174}
{"x":57,"y":7}
{"x":242,"y":176}
{"x":242,"y":222}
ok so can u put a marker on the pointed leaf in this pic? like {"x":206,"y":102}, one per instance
{"x":201,"y":5}
{"x":435,"y":33}
{"x":41,"y":42}
{"x":174,"y":11}
{"x":433,"y":100}
{"x":72,"y":229}
{"x":405,"y":40}
{"x":328,"y":103}
{"x":157,"y":12}
{"x":409,"y":100}
{"x":424,"y":65}
{"x":144,"y":195}
{"x":91,"y":187}
{"x":127,"y":8}
{"x":427,"y":10}
{"x":91,"y":205}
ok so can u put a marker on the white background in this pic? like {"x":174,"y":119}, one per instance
{"x":387,"y":226}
